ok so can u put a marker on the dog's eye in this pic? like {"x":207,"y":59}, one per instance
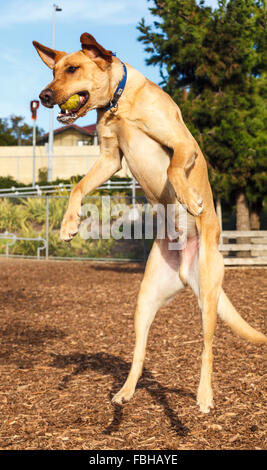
{"x":72,"y":69}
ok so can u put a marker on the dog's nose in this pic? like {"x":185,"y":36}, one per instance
{"x":47,"y":97}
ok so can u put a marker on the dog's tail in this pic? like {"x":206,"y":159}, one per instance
{"x":228,"y":313}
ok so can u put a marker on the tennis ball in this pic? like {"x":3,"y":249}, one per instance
{"x":72,"y":103}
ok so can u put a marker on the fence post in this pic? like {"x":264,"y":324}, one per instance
{"x":47,"y":227}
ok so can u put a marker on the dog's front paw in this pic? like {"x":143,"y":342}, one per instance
{"x":192,"y":200}
{"x":69,"y":226}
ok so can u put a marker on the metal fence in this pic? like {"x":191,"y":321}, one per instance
{"x":43,"y":207}
{"x":40,"y":190}
{"x":42,"y":202}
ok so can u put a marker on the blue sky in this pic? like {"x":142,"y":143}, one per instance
{"x":23,"y":75}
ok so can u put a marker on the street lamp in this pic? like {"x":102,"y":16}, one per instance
{"x":56,"y":8}
{"x":51,"y":117}
{"x":34,"y":106}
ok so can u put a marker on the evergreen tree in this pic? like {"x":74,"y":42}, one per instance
{"x":212,"y":63}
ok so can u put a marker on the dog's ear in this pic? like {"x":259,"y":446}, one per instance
{"x":49,"y":56}
{"x":95,"y":51}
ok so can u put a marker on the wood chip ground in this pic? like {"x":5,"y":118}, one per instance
{"x":67,"y":337}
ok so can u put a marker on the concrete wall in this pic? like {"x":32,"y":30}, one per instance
{"x":67,"y":161}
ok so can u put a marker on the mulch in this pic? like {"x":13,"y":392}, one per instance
{"x":67,"y":339}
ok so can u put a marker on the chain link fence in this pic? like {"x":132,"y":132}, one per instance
{"x":31,"y":218}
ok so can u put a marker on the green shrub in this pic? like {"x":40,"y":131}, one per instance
{"x":57,"y":209}
{"x":8,"y":182}
{"x":26,"y":217}
{"x":35,"y":209}
{"x":43,"y":175}
{"x":12,"y":215}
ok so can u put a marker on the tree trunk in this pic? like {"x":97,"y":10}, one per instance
{"x":255,"y":223}
{"x":242,"y":212}
{"x":242,"y":221}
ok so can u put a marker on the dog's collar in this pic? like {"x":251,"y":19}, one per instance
{"x":119,"y":90}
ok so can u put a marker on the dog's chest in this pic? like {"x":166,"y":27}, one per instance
{"x":147,"y":160}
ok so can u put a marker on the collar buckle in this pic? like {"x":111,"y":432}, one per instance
{"x":112,"y":107}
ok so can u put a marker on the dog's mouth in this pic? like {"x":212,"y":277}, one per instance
{"x":68,"y":116}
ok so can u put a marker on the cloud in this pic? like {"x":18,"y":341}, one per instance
{"x":15,"y":12}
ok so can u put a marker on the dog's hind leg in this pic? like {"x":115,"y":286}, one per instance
{"x":160,"y":283}
{"x":210,"y":274}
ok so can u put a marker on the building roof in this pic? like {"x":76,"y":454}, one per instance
{"x":85,"y":130}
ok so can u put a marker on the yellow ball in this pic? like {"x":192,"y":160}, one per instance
{"x":72,"y":103}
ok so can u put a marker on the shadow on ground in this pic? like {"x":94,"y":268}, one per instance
{"x":108,"y":364}
{"x":140,"y":268}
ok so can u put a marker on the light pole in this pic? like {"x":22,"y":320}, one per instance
{"x":34,"y":106}
{"x":51,"y":116}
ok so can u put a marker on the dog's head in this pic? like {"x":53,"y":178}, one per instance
{"x":86,"y":73}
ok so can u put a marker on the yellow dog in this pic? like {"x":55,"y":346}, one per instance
{"x":141,"y":122}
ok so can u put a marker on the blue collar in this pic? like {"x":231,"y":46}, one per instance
{"x":119,"y":90}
